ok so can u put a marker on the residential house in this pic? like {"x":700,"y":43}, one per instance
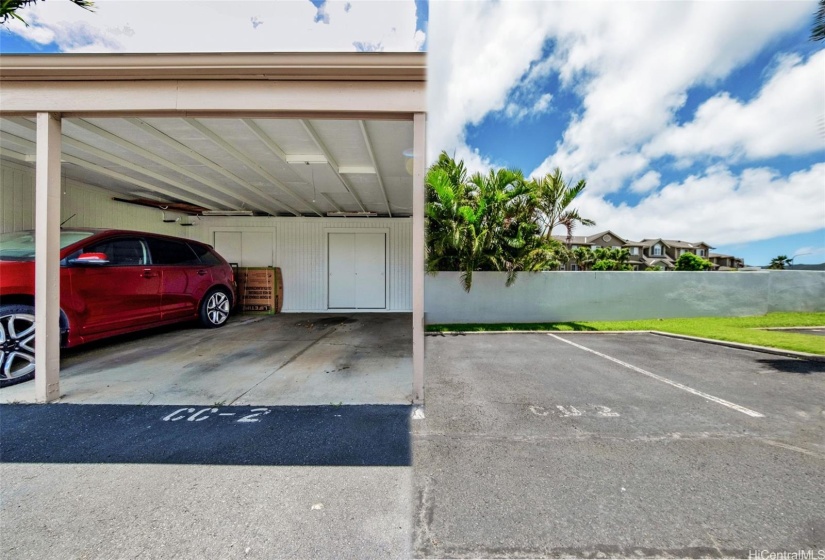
{"x":726,"y":262}
{"x":650,"y":253}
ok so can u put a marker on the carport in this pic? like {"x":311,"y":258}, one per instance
{"x":292,"y":160}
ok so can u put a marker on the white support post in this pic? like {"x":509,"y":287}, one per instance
{"x":419,"y":170}
{"x":47,"y":259}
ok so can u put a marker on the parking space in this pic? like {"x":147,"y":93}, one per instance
{"x":627,"y":445}
{"x":285,"y":359}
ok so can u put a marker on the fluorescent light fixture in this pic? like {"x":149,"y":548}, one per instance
{"x":357,"y":170}
{"x":227,"y":213}
{"x":306,"y":158}
{"x":352,"y":214}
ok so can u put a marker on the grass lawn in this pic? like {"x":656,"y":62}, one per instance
{"x":732,"y":329}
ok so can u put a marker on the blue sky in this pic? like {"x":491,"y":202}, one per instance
{"x":694,"y":121}
{"x":219,"y":26}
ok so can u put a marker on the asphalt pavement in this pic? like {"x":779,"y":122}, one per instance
{"x":102,"y":481}
{"x":531,"y":446}
{"x":651,"y":447}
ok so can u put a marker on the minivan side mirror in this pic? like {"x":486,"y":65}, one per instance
{"x":90,"y":259}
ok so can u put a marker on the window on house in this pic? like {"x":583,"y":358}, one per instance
{"x":634,"y":250}
{"x":574,"y":267}
{"x":657,"y":250}
{"x":701,"y":252}
{"x":574,"y":247}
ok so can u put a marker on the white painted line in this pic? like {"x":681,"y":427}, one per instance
{"x":792,"y":448}
{"x":723,"y":402}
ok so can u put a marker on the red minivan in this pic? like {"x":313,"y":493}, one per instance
{"x":111,"y":282}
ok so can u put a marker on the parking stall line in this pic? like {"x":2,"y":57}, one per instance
{"x":711,"y":398}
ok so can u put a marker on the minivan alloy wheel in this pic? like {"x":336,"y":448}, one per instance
{"x":217,"y":308}
{"x":17,"y":345}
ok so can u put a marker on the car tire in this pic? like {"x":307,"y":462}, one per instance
{"x":16,"y":344}
{"x":215,"y":308}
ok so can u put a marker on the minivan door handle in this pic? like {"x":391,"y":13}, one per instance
{"x":147,"y":273}
{"x":201,"y":273}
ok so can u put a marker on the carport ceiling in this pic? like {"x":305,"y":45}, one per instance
{"x":275,"y":166}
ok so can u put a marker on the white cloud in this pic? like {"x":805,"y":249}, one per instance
{"x":719,"y":207}
{"x":631,"y":63}
{"x":634,"y":64}
{"x":781,"y":120}
{"x":478,"y":52}
{"x":518,"y":112}
{"x":646,"y":182}
{"x":219,"y":26}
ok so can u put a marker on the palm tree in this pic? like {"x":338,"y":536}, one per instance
{"x":486,"y":222}
{"x":553,"y":200}
{"x":584,"y":257}
{"x":780,"y":263}
{"x":611,"y":258}
{"x":8,"y":8}
{"x":446,"y":210}
{"x":818,"y":30}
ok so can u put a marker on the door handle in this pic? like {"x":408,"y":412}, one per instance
{"x":201,"y":273}
{"x":147,"y":273}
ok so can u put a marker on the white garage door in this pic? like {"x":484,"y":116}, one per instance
{"x":357,"y":271}
{"x":246,"y":248}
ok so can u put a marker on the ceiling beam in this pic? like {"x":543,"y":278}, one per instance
{"x":332,"y":202}
{"x":255,"y":166}
{"x":186,"y":150}
{"x":113,"y":174}
{"x":331,"y":161}
{"x":375,"y":165}
{"x":94,"y":129}
{"x":111,"y":158}
{"x":264,"y":137}
{"x":11,"y":154}
{"x":291,"y":159}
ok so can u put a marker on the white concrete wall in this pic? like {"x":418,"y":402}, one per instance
{"x":796,"y":290}
{"x":301,"y":253}
{"x":93,"y":206}
{"x":606,"y":296}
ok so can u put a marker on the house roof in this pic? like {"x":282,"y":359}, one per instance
{"x":675,"y":243}
{"x":596,"y":236}
{"x":653,"y":261}
{"x":574,"y":240}
{"x":679,"y":244}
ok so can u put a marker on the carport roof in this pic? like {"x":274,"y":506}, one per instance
{"x":193,"y":145}
{"x":215,"y":66}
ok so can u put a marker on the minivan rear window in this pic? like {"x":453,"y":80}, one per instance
{"x":206,"y":256}
{"x":165,"y":251}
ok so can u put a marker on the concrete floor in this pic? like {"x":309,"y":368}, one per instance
{"x":286,"y":359}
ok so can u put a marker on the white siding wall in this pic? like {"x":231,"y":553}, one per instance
{"x":301,"y":253}
{"x":94,"y":206}
{"x":17,"y":198}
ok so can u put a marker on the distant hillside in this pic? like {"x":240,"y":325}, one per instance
{"x":820,"y":266}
